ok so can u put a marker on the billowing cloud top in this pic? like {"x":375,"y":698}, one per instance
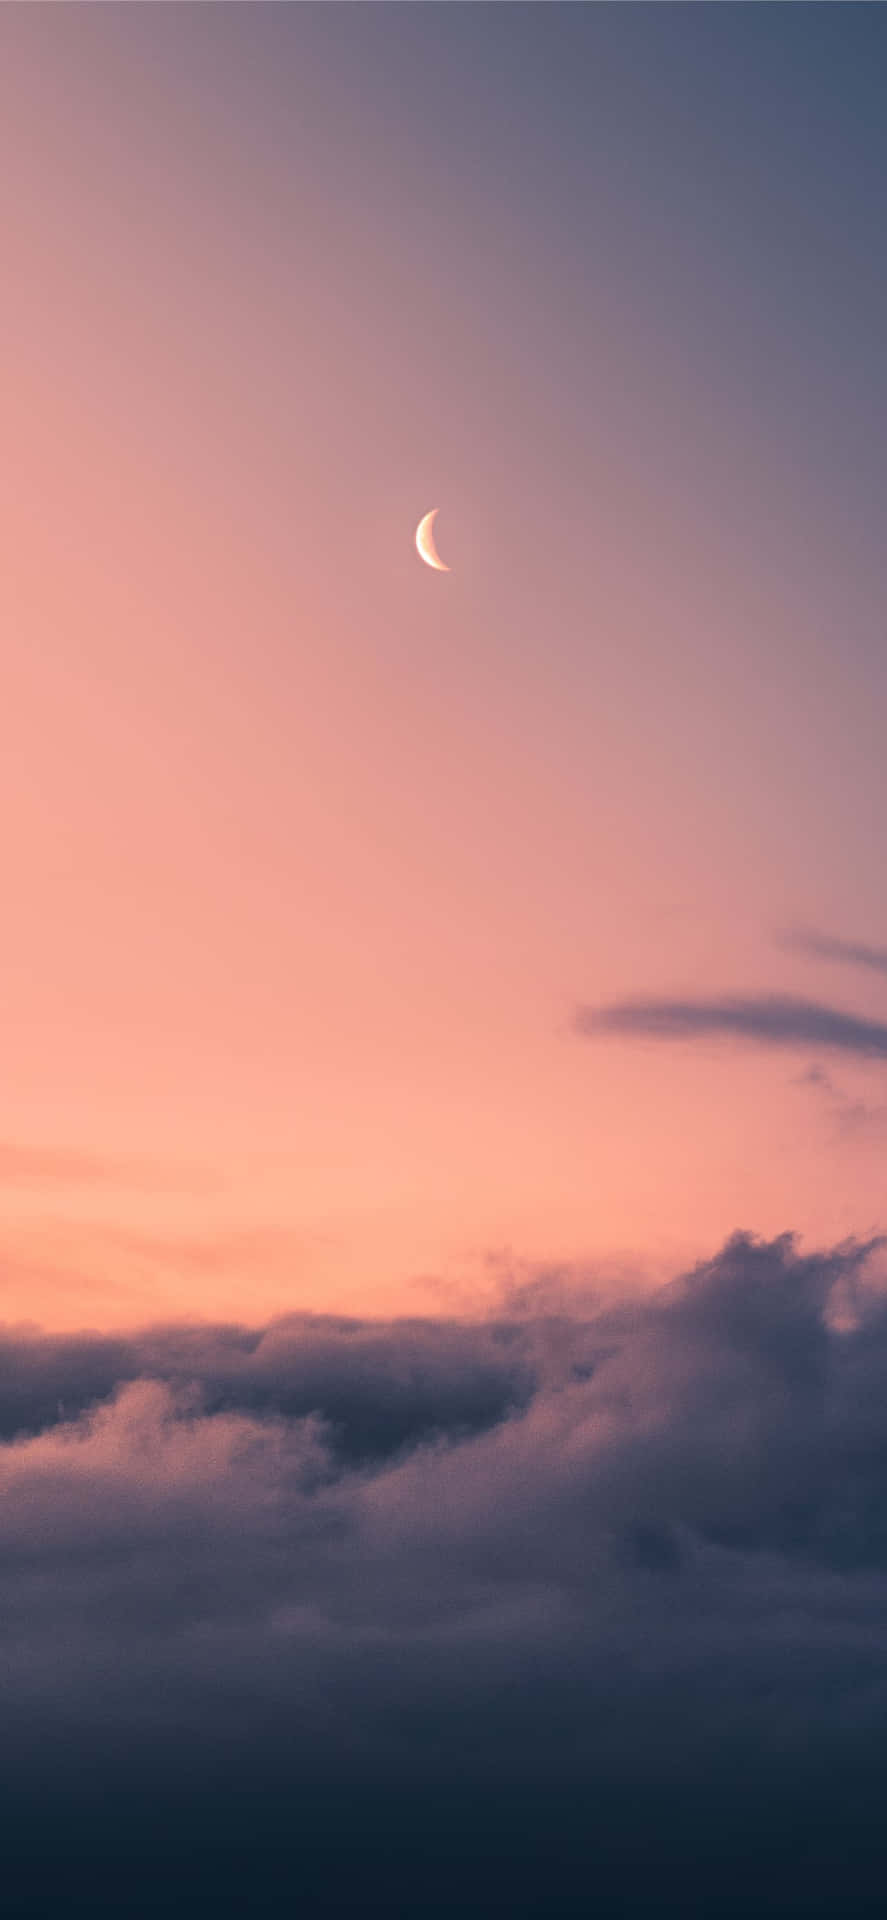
{"x":555,"y":1560}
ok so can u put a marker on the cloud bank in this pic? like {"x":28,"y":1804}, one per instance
{"x":363,"y":1597}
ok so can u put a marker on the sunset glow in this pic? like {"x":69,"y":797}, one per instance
{"x":478,"y":956}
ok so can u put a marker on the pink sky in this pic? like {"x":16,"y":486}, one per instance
{"x":308,"y":853}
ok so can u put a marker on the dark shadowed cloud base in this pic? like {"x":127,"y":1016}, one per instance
{"x":770,"y":1020}
{"x":456,"y":1617}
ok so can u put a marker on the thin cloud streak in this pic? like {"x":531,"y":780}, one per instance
{"x":769,"y":1020}
{"x":22,"y":1165}
{"x":826,"y":946}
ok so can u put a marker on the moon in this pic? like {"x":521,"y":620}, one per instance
{"x":425,"y":546}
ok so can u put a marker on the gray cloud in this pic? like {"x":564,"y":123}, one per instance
{"x":379,"y":1387}
{"x":585,"y":1556}
{"x":852,"y":1119}
{"x":770,"y":1020}
{"x":824,"y":946}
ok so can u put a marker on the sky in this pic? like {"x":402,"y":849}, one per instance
{"x":309,"y":854}
{"x":444,"y":1015}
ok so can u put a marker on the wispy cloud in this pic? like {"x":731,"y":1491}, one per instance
{"x":769,"y":1020}
{"x":23,"y":1165}
{"x":852,"y":1118}
{"x":826,"y":946}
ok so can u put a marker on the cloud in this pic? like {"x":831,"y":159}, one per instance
{"x":769,"y":1020}
{"x":852,"y":1118}
{"x":379,"y":1386}
{"x":574,"y":1566}
{"x":816,"y":1076}
{"x":122,"y":1273}
{"x":824,"y":946}
{"x":23,"y":1165}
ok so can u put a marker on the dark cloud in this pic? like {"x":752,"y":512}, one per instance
{"x":825,"y":946}
{"x":770,"y":1020}
{"x":433,"y":1613}
{"x":378,"y":1388}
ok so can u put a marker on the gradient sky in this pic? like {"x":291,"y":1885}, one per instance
{"x":366,"y":929}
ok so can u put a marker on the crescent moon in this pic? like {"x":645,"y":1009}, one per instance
{"x":425,"y":546}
